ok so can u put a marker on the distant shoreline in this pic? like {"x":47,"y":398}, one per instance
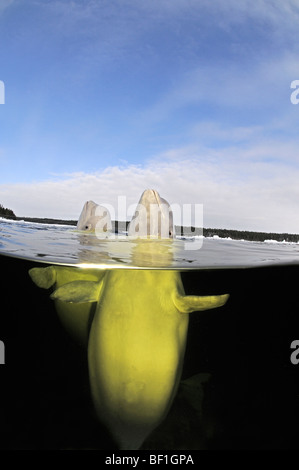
{"x":189,"y":231}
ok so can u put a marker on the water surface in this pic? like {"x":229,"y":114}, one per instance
{"x":64,"y":245}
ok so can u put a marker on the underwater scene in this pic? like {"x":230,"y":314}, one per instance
{"x":149,"y":230}
{"x":236,"y":383}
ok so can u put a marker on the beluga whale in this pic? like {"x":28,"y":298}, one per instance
{"x":153,"y":217}
{"x":137,"y":330}
{"x":94,"y":217}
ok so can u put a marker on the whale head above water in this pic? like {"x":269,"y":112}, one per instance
{"x":153,"y":217}
{"x":94,"y":216}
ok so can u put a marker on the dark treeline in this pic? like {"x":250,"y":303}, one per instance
{"x":5,"y":211}
{"x":180,"y":231}
{"x":237,"y":234}
{"x":39,"y":220}
{"x":251,"y":236}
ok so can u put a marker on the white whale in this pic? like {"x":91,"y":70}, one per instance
{"x":136,"y":333}
{"x":153,"y":217}
{"x":94,"y":217}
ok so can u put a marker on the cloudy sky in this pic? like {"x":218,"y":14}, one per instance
{"x":190,"y":97}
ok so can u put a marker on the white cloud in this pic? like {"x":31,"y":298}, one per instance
{"x":235,"y":190}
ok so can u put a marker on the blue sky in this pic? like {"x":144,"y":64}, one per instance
{"x":190,"y":97}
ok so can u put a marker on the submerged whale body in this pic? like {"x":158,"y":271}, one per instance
{"x":137,"y":338}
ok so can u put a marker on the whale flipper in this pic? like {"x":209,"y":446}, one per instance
{"x":75,"y":317}
{"x":43,"y":277}
{"x":78,"y":292}
{"x":193,"y":303}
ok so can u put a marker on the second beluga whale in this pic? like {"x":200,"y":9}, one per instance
{"x":137,"y":331}
{"x":153,"y":217}
{"x":94,"y":217}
